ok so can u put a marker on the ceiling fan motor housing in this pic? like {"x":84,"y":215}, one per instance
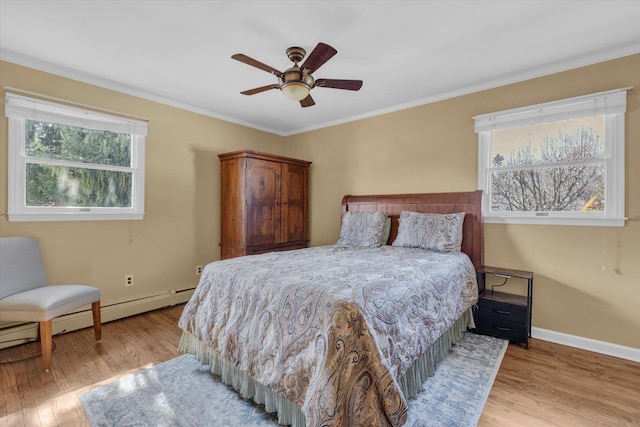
{"x":295,"y":75}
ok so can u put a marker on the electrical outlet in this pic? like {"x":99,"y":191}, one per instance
{"x":198,"y":270}
{"x":128,"y":280}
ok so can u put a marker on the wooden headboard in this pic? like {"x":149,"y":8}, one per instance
{"x":468,"y":202}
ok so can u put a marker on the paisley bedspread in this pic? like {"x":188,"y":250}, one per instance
{"x":331,"y":328}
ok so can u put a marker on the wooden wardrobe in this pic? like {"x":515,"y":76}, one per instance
{"x":264,"y":203}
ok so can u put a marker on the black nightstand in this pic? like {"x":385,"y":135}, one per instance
{"x":501,"y":314}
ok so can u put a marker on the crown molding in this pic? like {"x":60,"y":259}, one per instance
{"x":48,"y":67}
{"x":595,"y":57}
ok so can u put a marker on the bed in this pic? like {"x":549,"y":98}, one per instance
{"x":344,"y":334}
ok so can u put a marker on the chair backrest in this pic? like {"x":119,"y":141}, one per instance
{"x":21,"y":267}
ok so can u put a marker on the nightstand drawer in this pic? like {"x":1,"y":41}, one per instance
{"x":507,"y":330}
{"x":501,"y":310}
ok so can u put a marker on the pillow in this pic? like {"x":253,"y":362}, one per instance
{"x":362,"y":228}
{"x":436,"y":232}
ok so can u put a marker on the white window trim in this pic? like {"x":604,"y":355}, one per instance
{"x":611,"y":104}
{"x":18,"y":108}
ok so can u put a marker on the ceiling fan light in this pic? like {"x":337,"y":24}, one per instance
{"x":295,"y":91}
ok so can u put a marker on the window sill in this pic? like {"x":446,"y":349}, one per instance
{"x":593,"y":222}
{"x":25,"y":217}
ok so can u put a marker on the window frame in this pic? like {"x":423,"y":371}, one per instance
{"x":609,"y":104}
{"x":18,"y":109}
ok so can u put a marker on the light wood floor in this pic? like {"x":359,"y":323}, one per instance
{"x":547,"y":385}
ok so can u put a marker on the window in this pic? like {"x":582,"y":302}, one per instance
{"x":560,"y":162}
{"x":68,"y":163}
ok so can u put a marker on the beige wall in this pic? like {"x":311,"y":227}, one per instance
{"x":181,"y":227}
{"x":587,"y":279}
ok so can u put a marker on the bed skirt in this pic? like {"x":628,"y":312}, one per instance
{"x":290,"y":413}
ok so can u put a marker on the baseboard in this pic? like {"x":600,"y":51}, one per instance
{"x":19,"y":333}
{"x":596,"y":346}
{"x":22,"y":332}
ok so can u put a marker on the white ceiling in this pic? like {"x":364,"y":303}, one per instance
{"x":407,"y":53}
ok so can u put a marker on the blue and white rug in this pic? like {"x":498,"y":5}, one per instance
{"x":183,"y":392}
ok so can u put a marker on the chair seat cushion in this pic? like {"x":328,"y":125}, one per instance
{"x":46,"y":302}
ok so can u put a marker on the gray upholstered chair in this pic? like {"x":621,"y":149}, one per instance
{"x":26,"y":297}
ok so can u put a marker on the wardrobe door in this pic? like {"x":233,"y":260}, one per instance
{"x":294,"y":203}
{"x":263,"y":193}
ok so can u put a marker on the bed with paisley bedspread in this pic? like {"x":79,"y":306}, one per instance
{"x":343,"y":335}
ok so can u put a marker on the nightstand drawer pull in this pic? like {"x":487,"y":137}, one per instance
{"x":500,"y":328}
{"x":502,"y":311}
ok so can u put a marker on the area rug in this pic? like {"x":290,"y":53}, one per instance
{"x":183,"y":392}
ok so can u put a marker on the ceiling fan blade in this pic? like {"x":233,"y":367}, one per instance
{"x":339,"y":84}
{"x":321,"y":54}
{"x":254,"y":63}
{"x":307,"y":102}
{"x":260,"y":89}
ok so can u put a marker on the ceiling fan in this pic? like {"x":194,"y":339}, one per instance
{"x":297,"y":81}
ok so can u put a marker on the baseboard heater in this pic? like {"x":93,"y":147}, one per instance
{"x":12,"y":333}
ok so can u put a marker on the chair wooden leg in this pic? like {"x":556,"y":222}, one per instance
{"x":45,"y":343}
{"x":97,"y":324}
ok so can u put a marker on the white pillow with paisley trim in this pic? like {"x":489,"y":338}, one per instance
{"x":362,"y":228}
{"x":436,"y":232}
